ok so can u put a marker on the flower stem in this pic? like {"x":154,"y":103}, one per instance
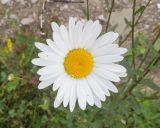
{"x":133,"y":26}
{"x":88,"y":17}
{"x":110,"y":13}
{"x":146,"y":71}
{"x":137,"y":21}
{"x":148,"y":51}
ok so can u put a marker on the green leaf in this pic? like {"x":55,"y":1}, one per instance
{"x":150,"y":83}
{"x":29,"y":52}
{"x":20,"y":38}
{"x":45,"y":105}
{"x":156,"y":46}
{"x":84,"y":10}
{"x":12,"y":85}
{"x":141,"y":39}
{"x":130,"y":71}
{"x":139,"y":10}
{"x":128,"y":22}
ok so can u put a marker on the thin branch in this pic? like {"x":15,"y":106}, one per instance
{"x":133,"y":26}
{"x":146,"y":71}
{"x":137,"y":21}
{"x":88,"y":17}
{"x":148,"y":50}
{"x":110,"y":13}
{"x":41,"y":17}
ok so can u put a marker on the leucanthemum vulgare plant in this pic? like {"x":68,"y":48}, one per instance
{"x":80,"y":67}
{"x":80,"y":64}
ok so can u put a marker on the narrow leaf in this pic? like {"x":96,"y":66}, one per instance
{"x":140,"y":10}
{"x":151,"y":84}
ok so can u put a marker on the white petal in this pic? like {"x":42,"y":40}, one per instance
{"x":78,"y":35}
{"x":41,"y":62}
{"x":120,"y":51}
{"x":97,"y":102}
{"x":58,"y":82}
{"x":81,"y":95}
{"x":54,"y":47}
{"x":95,"y":88}
{"x":102,"y":84}
{"x":73,"y":96}
{"x":45,"y":84}
{"x":105,"y":50}
{"x":89,"y":95}
{"x":107,"y":38}
{"x":55,"y":27}
{"x":59,"y":43}
{"x":106,"y":74}
{"x":63,"y":88}
{"x":71,"y":30}
{"x":111,"y":67}
{"x":65,"y":36}
{"x":66,"y":96}
{"x":86,"y":31}
{"x":121,"y":74}
{"x":109,"y":85}
{"x":43,"y":47}
{"x":92,"y":34}
{"x":95,"y":32}
{"x":58,"y":39}
{"x":108,"y":59}
{"x":50,"y":69}
{"x":50,"y":56}
{"x":53,"y":76}
{"x":57,"y":102}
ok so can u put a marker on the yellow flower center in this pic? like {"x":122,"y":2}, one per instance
{"x":78,"y":63}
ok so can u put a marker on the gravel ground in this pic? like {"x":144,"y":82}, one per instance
{"x":18,"y":13}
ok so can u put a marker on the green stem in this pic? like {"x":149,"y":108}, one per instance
{"x":88,"y":17}
{"x":146,"y":71}
{"x":110,"y":13}
{"x":137,"y":21}
{"x":148,"y":50}
{"x":4,"y":62}
{"x":133,"y":26}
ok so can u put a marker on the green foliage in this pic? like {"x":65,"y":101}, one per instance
{"x":12,"y":85}
{"x":139,"y":10}
{"x":22,"y":105}
{"x":156,"y":46}
{"x":141,"y":43}
{"x":150,"y":83}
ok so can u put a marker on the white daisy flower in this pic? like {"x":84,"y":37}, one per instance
{"x":80,"y":64}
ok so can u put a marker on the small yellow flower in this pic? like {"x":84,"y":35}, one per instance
{"x":9,"y":45}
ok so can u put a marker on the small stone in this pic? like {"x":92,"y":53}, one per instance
{"x":158,"y":5}
{"x":13,"y":16}
{"x":5,"y":1}
{"x":101,"y":17}
{"x":34,"y":1}
{"x":64,"y":7}
{"x":22,"y":2}
{"x":27,"y":21}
